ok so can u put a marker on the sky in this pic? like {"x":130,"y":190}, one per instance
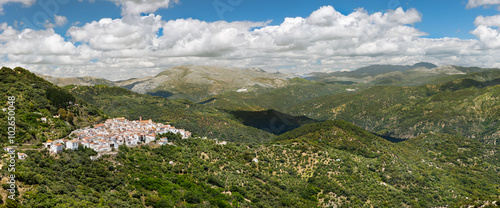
{"x":121,"y":39}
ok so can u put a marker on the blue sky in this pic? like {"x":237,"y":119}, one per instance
{"x":432,"y":32}
{"x":442,"y":18}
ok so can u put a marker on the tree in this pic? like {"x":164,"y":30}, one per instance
{"x":70,"y":117}
{"x":171,"y":136}
{"x":62,"y":114}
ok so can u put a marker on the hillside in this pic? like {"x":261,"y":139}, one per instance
{"x":466,"y":107}
{"x":199,"y":82}
{"x":199,"y":119}
{"x":381,"y":69}
{"x":299,"y":90}
{"x":83,"y":81}
{"x":393,"y":75}
{"x":328,"y":164}
{"x":367,"y":71}
{"x":190,"y":82}
{"x":459,"y":103}
{"x":296,"y":91}
{"x":42,"y":111}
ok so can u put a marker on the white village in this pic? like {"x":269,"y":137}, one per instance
{"x":106,"y":137}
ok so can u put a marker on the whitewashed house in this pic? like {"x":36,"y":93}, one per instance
{"x":48,"y":144}
{"x":72,"y":145}
{"x":149,"y":138}
{"x":163,"y":141}
{"x":21,"y":156}
{"x":56,"y":148}
{"x":103,"y":149}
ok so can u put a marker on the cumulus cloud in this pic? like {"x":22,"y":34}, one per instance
{"x":134,"y":46}
{"x":131,"y":32}
{"x":42,"y":42}
{"x":490,"y":21}
{"x":7,"y":33}
{"x":136,"y":7}
{"x":60,"y":20}
{"x":188,"y":37}
{"x":477,"y":3}
{"x":489,"y":37}
{"x":487,"y":31}
{"x":26,"y":3}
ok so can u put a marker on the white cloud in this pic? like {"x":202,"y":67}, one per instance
{"x":131,"y":32}
{"x":42,"y":42}
{"x":477,"y":3}
{"x":490,"y":21}
{"x":132,"y":46}
{"x":136,"y":7}
{"x":188,"y":37}
{"x":489,"y":37}
{"x":26,"y":3}
{"x":7,"y":33}
{"x":486,"y":33}
{"x":60,"y":20}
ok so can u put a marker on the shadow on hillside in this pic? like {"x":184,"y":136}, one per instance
{"x":206,"y":101}
{"x":165,"y":94}
{"x":389,"y":138}
{"x":271,"y":121}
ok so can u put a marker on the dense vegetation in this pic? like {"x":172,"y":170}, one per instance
{"x":327,"y":164}
{"x":464,"y":107}
{"x":37,"y":99}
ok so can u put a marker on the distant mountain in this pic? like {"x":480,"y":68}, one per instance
{"x":199,"y":82}
{"x":188,"y":82}
{"x":425,"y":65}
{"x":79,"y":81}
{"x":396,"y":75}
{"x":380,"y":69}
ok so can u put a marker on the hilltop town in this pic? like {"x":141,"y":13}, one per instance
{"x":106,"y":137}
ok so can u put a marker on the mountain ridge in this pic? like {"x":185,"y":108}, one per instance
{"x":193,"y":82}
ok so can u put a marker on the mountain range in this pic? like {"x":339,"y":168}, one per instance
{"x":389,"y":100}
{"x":292,"y":142}
{"x":189,"y":82}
